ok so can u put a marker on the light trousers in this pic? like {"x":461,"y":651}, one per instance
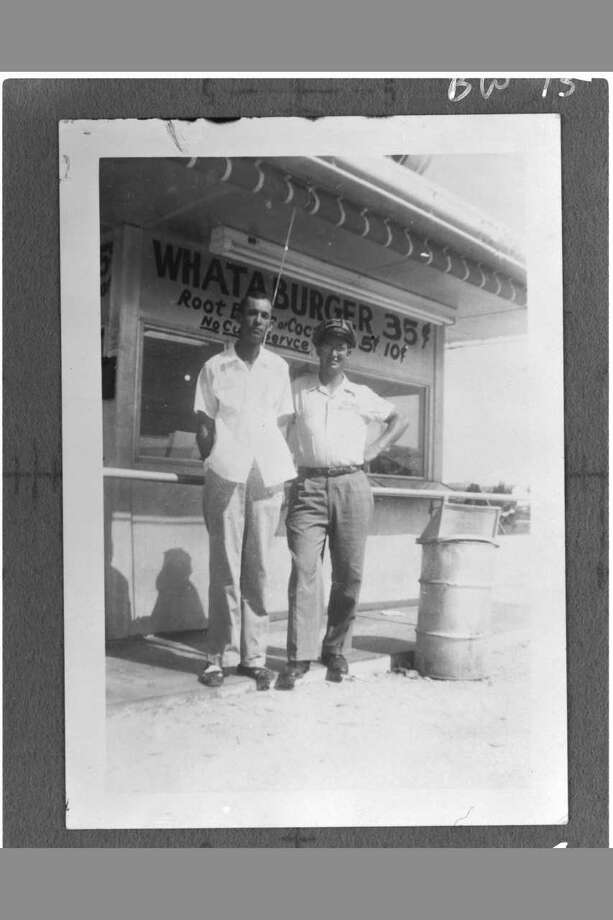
{"x":241,"y":519}
{"x":338,"y":508}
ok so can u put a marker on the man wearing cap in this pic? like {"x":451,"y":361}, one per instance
{"x":243,"y":399}
{"x":331,"y":499}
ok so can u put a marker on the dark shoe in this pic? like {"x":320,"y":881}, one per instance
{"x":336,"y":664}
{"x":262,"y":676}
{"x":212,"y":676}
{"x":292,"y":672}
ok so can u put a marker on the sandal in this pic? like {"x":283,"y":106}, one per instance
{"x":262,"y":676}
{"x":212,"y":676}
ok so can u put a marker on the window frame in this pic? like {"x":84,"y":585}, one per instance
{"x":161,"y":331}
{"x":426,"y":422}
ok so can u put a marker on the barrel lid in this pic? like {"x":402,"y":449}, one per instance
{"x":452,"y":522}
{"x":457,"y":538}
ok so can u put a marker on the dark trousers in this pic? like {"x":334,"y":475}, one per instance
{"x":338,"y":508}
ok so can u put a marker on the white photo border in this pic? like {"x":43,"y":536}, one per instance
{"x":82,"y":144}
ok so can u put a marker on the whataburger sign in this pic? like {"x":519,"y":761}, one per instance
{"x":206,"y":290}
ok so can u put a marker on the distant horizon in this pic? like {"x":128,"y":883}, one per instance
{"x":462,"y":484}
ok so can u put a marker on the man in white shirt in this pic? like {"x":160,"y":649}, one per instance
{"x":331,"y":499}
{"x":243,"y":400}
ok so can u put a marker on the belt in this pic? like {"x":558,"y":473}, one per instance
{"x":329,"y":470}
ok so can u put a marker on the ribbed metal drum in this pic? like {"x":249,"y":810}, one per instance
{"x":455,"y":604}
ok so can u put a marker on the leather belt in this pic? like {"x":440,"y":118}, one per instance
{"x":329,"y":470}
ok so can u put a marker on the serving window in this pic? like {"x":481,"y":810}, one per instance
{"x":407,"y":457}
{"x":170,"y":366}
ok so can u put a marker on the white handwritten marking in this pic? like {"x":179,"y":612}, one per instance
{"x":464,"y":817}
{"x":451,"y":92}
{"x":486,"y":91}
{"x":459,"y":88}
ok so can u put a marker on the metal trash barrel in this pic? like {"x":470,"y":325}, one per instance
{"x":455,"y":603}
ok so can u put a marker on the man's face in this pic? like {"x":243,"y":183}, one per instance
{"x":333,"y":353}
{"x":255,"y":320}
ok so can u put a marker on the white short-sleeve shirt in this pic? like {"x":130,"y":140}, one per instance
{"x":246,"y":403}
{"x":330,"y":428}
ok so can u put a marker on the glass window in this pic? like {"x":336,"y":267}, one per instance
{"x":407,"y":456}
{"x":170,"y":368}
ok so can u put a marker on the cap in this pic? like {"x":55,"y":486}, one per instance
{"x":336,"y":326}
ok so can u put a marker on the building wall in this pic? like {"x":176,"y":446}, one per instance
{"x":158,"y":551}
{"x":156,"y":541}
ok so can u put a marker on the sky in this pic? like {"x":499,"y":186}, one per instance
{"x":493,"y":183}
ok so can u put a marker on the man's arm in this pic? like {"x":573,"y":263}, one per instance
{"x":205,"y":434}
{"x":285,"y":423}
{"x":395,"y":425}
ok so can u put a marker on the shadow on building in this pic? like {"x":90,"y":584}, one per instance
{"x":178,"y":606}
{"x":117,"y":606}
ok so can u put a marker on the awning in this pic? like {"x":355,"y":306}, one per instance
{"x":382,"y":203}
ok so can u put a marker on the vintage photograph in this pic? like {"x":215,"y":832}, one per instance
{"x":320,"y":580}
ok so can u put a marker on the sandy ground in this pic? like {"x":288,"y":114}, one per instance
{"x":388,"y":728}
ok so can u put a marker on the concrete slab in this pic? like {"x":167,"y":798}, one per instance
{"x":145,"y":668}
